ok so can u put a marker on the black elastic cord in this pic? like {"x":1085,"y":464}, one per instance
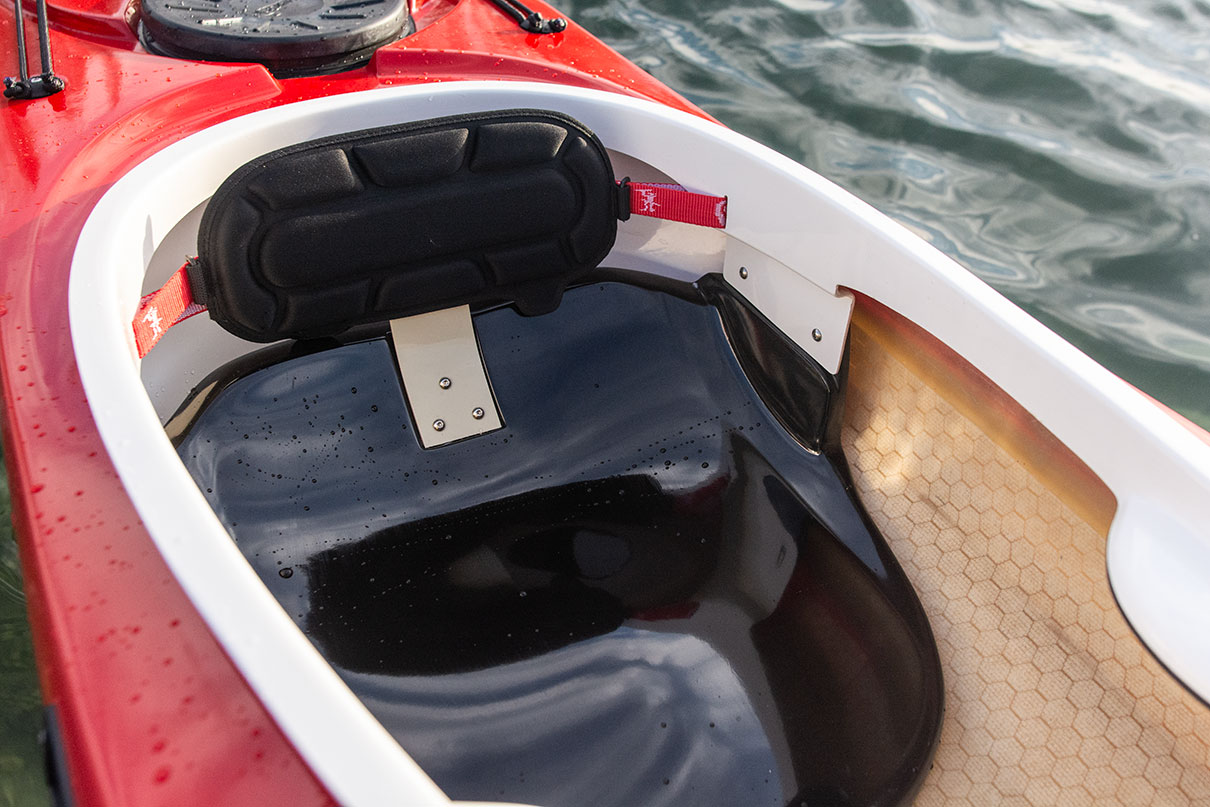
{"x":527,"y":18}
{"x":44,"y":38}
{"x":20,"y":44}
{"x":44,"y":84}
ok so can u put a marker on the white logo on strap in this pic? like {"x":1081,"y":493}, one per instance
{"x":720,"y":212}
{"x":647,"y":202}
{"x":152,"y":318}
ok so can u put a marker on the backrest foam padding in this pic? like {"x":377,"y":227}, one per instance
{"x":367,"y":226}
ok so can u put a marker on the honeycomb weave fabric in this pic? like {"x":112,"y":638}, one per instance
{"x":1050,"y":698}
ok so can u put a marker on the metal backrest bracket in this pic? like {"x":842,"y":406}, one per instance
{"x":444,"y":378}
{"x":816,"y":319}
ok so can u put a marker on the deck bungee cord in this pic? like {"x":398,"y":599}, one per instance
{"x":530,"y":20}
{"x":27,"y":87}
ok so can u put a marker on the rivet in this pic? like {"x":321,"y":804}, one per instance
{"x":477,"y":413}
{"x":444,"y":383}
{"x":743,"y":272}
{"x":438,"y":424}
{"x":817,"y":335}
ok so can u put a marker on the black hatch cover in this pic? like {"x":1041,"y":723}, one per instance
{"x":290,"y":37}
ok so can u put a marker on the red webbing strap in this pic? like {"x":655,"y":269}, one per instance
{"x":674,"y":203}
{"x":174,"y":303}
{"x":162,"y":309}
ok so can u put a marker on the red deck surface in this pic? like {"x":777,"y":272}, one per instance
{"x":152,"y":710}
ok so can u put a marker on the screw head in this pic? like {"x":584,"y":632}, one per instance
{"x":743,"y":272}
{"x":817,"y":335}
{"x":445,"y":383}
{"x":439,"y":424}
{"x":477,"y":413}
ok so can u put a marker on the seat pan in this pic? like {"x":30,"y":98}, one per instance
{"x":642,"y":590}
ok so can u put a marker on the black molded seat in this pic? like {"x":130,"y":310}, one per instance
{"x":367,"y":226}
{"x":643,"y":590}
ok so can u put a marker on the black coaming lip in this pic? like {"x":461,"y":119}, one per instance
{"x":58,"y":775}
{"x":644,"y":590}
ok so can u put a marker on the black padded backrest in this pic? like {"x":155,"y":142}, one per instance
{"x":371,"y":225}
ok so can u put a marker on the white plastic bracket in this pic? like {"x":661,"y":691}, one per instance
{"x":444,"y":378}
{"x":816,"y":319}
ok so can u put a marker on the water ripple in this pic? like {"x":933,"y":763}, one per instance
{"x":1056,"y":148}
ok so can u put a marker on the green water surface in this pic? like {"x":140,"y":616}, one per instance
{"x":21,"y":778}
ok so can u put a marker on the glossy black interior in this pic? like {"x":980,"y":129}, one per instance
{"x":646,"y":589}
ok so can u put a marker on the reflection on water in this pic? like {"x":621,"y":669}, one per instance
{"x":21,"y":778}
{"x":1056,"y":148}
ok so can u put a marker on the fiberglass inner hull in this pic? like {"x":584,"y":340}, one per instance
{"x":642,"y":590}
